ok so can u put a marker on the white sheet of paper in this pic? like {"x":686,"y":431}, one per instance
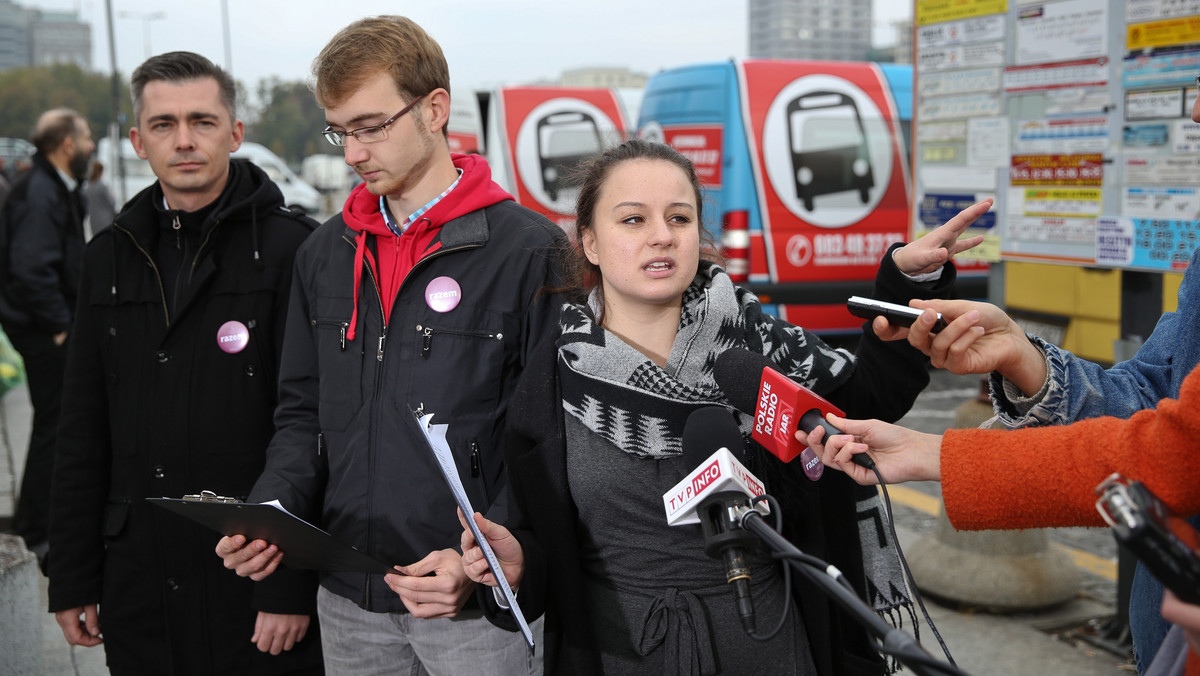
{"x":435,"y":435}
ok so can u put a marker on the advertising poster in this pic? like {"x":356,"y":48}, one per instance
{"x":1051,"y":230}
{"x":828,"y":157}
{"x":1154,"y":104}
{"x":1069,"y":74}
{"x":962,"y":32}
{"x":1057,"y":170}
{"x":551,"y":131}
{"x":937,"y":11}
{"x":1160,"y":244}
{"x":1165,"y":33}
{"x":937,"y":208}
{"x":1161,"y":67}
{"x":1161,"y":203}
{"x":1060,"y":202}
{"x":700,"y":143}
{"x":1065,"y":135}
{"x":1138,"y":11}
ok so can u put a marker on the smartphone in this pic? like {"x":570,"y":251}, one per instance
{"x":897,"y":315}
{"x":1164,"y":542}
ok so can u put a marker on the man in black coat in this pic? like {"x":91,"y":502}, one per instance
{"x":169,"y":390}
{"x":41,"y":246}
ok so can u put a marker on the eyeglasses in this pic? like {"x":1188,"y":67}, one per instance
{"x":373,"y":134}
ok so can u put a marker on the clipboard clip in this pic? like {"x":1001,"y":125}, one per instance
{"x":209,"y":496}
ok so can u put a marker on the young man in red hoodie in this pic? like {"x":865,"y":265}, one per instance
{"x":427,"y":292}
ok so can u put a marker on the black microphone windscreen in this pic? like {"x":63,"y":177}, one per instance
{"x":708,"y":430}
{"x":738,"y":373}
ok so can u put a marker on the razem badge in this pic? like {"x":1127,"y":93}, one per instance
{"x":719,"y":472}
{"x":442,"y":294}
{"x":233,"y":337}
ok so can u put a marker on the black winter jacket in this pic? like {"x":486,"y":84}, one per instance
{"x":348,"y":453}
{"x":41,"y":250}
{"x":154,"y":406}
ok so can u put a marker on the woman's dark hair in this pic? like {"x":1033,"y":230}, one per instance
{"x":580,"y":274}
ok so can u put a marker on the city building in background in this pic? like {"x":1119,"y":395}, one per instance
{"x":821,"y":30}
{"x":33,"y":37}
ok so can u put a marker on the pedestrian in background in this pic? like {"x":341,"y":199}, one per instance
{"x":101,"y":207}
{"x":41,"y":250}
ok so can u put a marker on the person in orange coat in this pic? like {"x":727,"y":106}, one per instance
{"x":997,"y":479}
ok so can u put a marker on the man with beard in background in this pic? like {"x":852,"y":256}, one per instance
{"x":41,"y":251}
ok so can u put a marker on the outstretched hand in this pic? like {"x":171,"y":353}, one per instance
{"x":942,"y":243}
{"x":978,"y":338}
{"x":900,"y":454}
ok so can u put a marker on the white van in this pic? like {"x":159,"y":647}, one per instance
{"x":297,"y":195}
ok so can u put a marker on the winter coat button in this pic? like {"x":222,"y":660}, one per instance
{"x":160,"y":472}
{"x":162,"y":357}
{"x":249,"y":369}
{"x":172,"y":584}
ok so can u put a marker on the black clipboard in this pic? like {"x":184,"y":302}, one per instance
{"x":303,"y":544}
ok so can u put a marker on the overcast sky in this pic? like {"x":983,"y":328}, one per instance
{"x":487,"y":42}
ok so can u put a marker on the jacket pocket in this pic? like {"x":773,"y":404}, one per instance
{"x":459,"y":371}
{"x":340,"y":366}
{"x":116,"y":513}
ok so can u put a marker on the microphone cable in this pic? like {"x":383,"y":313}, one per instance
{"x":787,"y":572}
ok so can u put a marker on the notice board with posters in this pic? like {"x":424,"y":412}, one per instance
{"x":1073,"y":114}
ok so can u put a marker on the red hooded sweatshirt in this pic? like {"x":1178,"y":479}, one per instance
{"x":397,"y":255}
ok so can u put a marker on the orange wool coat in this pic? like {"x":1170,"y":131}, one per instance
{"x":1047,"y":476}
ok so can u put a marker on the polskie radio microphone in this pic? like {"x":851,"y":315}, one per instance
{"x":780,"y":406}
{"x":709,"y":494}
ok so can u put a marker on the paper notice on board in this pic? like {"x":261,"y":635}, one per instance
{"x":987,"y":142}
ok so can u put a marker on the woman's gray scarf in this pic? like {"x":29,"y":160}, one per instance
{"x":641,"y":407}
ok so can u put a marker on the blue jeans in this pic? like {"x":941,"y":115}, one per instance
{"x":1146,"y":624}
{"x":356,"y":641}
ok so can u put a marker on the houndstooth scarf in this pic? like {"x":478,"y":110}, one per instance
{"x":641,"y":407}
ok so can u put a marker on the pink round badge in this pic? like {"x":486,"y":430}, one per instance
{"x":442,"y":294}
{"x":233,"y":337}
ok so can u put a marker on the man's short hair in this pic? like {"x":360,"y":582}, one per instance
{"x":181,"y":67}
{"x":54,"y":127}
{"x":392,"y":44}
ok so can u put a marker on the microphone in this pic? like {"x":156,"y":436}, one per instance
{"x":717,"y":473}
{"x":710,"y":493}
{"x":754,"y":385}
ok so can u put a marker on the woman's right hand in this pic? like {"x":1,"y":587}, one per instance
{"x":979,"y":338}
{"x":506,"y":547}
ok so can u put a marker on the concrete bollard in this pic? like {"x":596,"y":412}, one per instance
{"x":20,"y":606}
{"x":1003,"y":571}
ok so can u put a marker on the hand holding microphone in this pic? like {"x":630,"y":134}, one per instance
{"x":779,"y":405}
{"x":900,"y":454}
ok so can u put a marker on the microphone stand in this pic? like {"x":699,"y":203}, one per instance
{"x":893,"y":641}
